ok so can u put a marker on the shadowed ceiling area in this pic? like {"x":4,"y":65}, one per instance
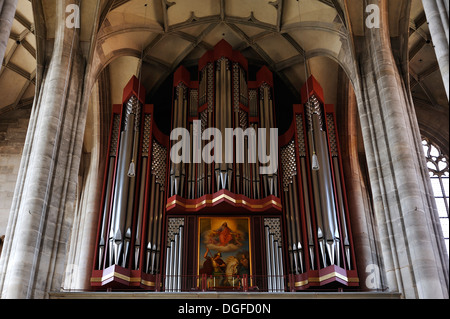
{"x":278,"y":34}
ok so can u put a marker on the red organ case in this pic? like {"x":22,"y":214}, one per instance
{"x":279,"y":201}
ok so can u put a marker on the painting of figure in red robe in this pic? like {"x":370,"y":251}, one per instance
{"x":224,"y":251}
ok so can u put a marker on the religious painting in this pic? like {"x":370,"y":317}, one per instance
{"x":224,"y":251}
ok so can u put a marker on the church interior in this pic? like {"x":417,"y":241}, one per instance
{"x":352,"y":93}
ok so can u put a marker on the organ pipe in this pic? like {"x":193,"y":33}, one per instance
{"x":324,"y":182}
{"x":280,"y":263}
{"x":269,"y":260}
{"x":141,"y":198}
{"x":115,"y":129}
{"x":314,"y":198}
{"x":307,"y":212}
{"x":134,"y":191}
{"x":103,"y":231}
{"x":273,"y":263}
{"x":223,"y":103}
{"x":134,"y":231}
{"x":174,"y":253}
{"x":180,"y":254}
{"x":342,"y":212}
{"x":122,"y":194}
{"x":274,"y":252}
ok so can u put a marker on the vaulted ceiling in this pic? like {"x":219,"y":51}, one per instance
{"x":18,"y":71}
{"x":276,"y":33}
{"x":167,"y":34}
{"x":426,"y":82}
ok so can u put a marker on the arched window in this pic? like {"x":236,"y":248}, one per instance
{"x":438,"y":169}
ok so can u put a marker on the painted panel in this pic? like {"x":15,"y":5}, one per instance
{"x":224,"y":253}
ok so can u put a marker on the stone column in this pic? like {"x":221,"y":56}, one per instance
{"x":33,"y":258}
{"x":405,"y":223}
{"x":360,"y":213}
{"x":84,"y":233}
{"x":436,"y":12}
{"x":7,"y":12}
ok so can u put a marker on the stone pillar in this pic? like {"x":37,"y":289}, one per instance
{"x":360,"y":213}
{"x":7,"y":12}
{"x":33,"y":258}
{"x":405,"y":223}
{"x":84,"y":233}
{"x":436,"y":12}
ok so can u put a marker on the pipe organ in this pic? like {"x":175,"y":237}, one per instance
{"x":274,"y":253}
{"x":219,"y":101}
{"x":318,"y":231}
{"x":174,"y":254}
{"x":133,"y":198}
{"x":202,"y":209}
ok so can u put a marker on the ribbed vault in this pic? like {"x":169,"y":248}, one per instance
{"x":280,"y":34}
{"x":18,"y":69}
{"x":168,"y":34}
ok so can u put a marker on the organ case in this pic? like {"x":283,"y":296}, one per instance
{"x":298,"y":219}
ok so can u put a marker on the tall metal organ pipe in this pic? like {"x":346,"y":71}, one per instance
{"x":174,"y":249}
{"x":323,"y":186}
{"x":109,"y":188}
{"x":122,"y":185}
{"x":274,"y":253}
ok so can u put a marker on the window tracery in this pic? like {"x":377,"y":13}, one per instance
{"x":438,"y":169}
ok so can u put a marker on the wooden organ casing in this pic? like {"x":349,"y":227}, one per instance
{"x":145,"y":200}
{"x":224,"y":98}
{"x":320,"y":244}
{"x":181,"y":210}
